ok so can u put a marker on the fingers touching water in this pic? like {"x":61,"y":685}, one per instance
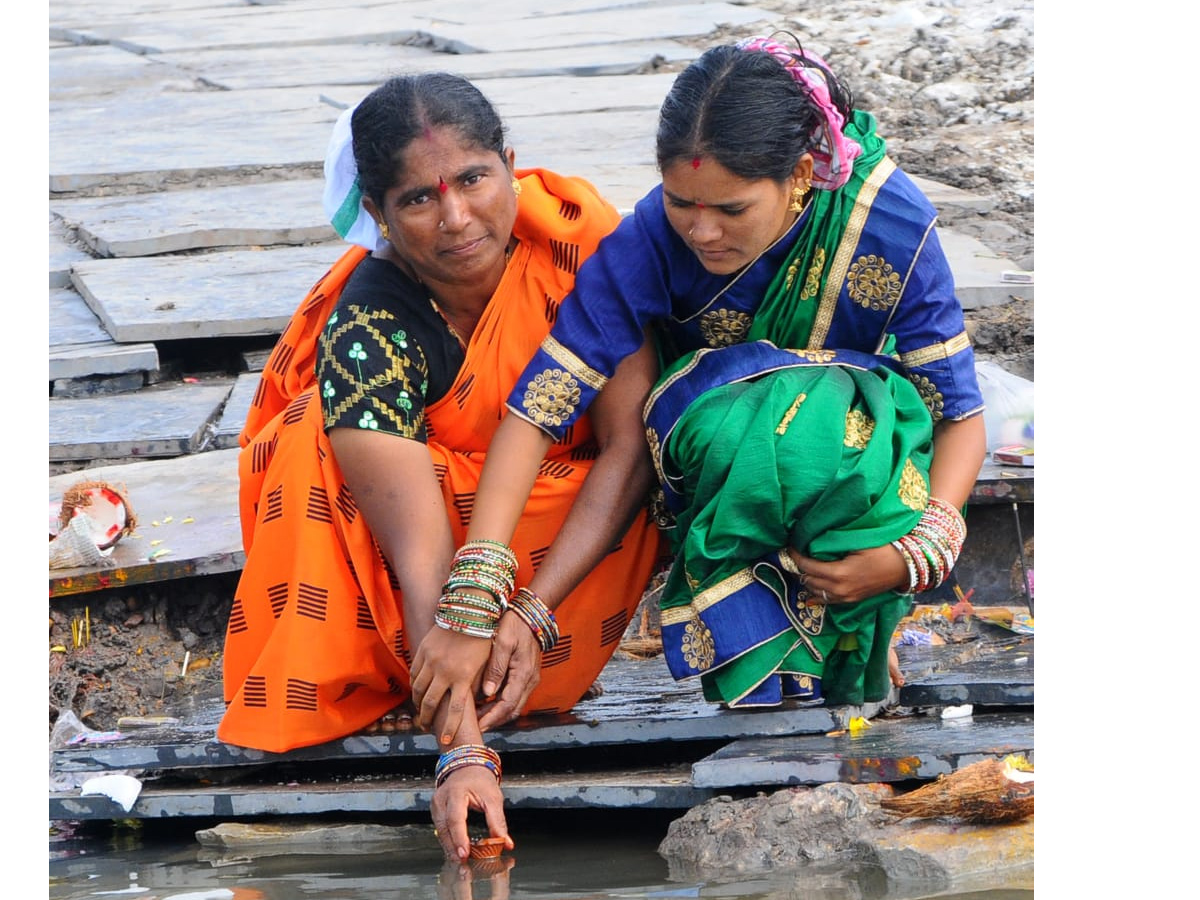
{"x":466,"y":789}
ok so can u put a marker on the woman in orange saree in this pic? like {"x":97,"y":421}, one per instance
{"x":365,"y":440}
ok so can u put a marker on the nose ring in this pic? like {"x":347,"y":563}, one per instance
{"x":691,"y":230}
{"x":442,"y":224}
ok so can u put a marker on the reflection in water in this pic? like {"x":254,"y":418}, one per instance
{"x":602,"y":859}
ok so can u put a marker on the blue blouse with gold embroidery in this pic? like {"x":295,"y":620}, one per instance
{"x":889,"y":277}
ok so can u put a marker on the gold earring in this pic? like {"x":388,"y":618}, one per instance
{"x":516,"y":186}
{"x":798,"y":195}
{"x":383,"y":229}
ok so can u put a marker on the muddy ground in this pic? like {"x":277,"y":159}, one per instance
{"x":951,"y":82}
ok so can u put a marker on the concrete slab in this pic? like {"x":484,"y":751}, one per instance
{"x":275,"y":67}
{"x":238,"y":292}
{"x":241,"y":26}
{"x":71,"y":322}
{"x":583,"y":143}
{"x":944,"y":195}
{"x":193,"y":500}
{"x":64,"y":252}
{"x":1003,"y":677}
{"x":65,"y":14}
{"x":461,"y":27}
{"x":92,"y":72}
{"x":169,"y":420}
{"x":889,"y":750}
{"x":150,"y":142}
{"x":69,"y":361}
{"x":558,"y":95}
{"x":275,"y":212}
{"x":978,"y":272}
{"x":628,"y":788}
{"x":237,"y":407}
{"x":600,"y":27}
{"x":80,"y":347}
{"x":641,"y":704}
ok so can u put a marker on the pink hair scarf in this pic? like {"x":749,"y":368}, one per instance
{"x":833,"y":153}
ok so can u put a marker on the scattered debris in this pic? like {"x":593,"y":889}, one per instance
{"x":92,"y":517}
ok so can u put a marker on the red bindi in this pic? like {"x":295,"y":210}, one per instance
{"x":699,"y":205}
{"x":695,"y":162}
{"x":442,"y":186}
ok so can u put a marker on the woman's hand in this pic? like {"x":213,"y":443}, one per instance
{"x":854,"y":577}
{"x":513,"y":670}
{"x":447,"y":667}
{"x":467,"y":788}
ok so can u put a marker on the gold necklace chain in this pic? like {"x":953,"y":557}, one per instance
{"x":454,"y":331}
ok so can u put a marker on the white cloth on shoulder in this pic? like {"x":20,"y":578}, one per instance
{"x":343,"y":194}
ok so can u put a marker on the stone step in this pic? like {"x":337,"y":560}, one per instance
{"x":275,"y":67}
{"x":641,"y":704}
{"x":637,"y":787}
{"x":163,"y":420}
{"x":80,"y":347}
{"x":887,"y":750}
{"x":647,"y":741}
{"x":235,"y":293}
{"x":237,"y":407}
{"x":164,"y":494}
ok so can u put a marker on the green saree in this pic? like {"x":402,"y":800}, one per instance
{"x":759,"y":448}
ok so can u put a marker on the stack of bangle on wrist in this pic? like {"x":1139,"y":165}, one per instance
{"x":931,"y":549}
{"x":466,"y":755}
{"x":530,"y":608}
{"x":475,"y":594}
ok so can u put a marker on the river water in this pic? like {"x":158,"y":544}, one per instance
{"x":556,"y":856}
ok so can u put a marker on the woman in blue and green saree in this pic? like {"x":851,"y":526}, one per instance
{"x":817,"y":427}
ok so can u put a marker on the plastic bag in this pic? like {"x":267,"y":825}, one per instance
{"x":1008,"y":406}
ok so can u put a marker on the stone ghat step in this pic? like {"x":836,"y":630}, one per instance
{"x":640,"y":704}
{"x":188,"y":505}
{"x":645,"y":741}
{"x":653,"y":788}
{"x":895,"y":751}
{"x":887,"y":750}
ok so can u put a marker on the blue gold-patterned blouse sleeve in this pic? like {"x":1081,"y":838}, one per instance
{"x":371,"y":375}
{"x":931,"y":337}
{"x":619,"y":289}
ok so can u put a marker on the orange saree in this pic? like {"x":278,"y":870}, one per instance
{"x":315,"y":644}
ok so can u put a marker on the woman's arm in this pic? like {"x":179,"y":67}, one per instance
{"x":467,"y":788}
{"x":395,"y":487}
{"x":614,"y":490}
{"x":959,"y":449}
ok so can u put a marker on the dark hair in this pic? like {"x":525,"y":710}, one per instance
{"x":399,"y":110}
{"x":743,"y":109}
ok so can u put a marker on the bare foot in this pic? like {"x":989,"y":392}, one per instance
{"x":399,"y":719}
{"x":894,"y":668}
